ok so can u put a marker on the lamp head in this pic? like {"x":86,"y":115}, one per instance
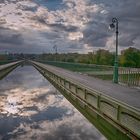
{"x":112,"y":26}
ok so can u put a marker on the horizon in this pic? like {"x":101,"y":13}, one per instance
{"x":53,"y":53}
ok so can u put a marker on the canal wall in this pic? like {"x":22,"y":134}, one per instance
{"x":7,"y":68}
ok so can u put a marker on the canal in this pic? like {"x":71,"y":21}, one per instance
{"x":32,"y":109}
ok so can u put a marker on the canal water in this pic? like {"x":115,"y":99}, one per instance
{"x":32,"y":109}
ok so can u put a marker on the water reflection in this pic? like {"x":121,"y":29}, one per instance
{"x":31,"y":108}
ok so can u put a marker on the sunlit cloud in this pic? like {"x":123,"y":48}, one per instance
{"x":17,"y":100}
{"x":75,"y":36}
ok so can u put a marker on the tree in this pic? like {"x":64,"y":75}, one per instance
{"x":130,"y":57}
{"x":104,"y":57}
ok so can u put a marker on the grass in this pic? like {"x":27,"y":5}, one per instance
{"x":5,"y":62}
{"x":101,"y":72}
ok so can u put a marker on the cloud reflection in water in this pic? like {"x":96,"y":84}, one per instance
{"x":34,"y":109}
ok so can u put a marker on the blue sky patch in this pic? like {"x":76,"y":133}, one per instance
{"x":51,"y":5}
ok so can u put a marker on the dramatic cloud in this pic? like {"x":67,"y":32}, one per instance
{"x":74,"y":25}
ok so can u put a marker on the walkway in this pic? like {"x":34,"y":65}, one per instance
{"x":121,"y":93}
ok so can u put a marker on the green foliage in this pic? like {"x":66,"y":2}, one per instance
{"x":129,"y":57}
{"x":104,"y":57}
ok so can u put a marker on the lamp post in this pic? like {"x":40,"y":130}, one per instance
{"x":114,"y":24}
{"x":55,"y":49}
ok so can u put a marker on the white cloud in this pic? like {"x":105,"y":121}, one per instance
{"x":75,"y":36}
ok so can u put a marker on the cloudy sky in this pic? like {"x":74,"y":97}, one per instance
{"x":35,"y":26}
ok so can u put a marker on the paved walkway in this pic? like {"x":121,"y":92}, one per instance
{"x":124,"y":94}
{"x":8,"y":65}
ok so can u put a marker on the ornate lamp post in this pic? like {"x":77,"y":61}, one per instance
{"x":55,"y":49}
{"x":114,"y":24}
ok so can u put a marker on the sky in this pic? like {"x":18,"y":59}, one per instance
{"x":36,"y":26}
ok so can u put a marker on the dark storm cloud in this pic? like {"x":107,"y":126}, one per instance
{"x":2,"y":1}
{"x":13,"y":41}
{"x":128,"y":15}
{"x":96,"y":33}
{"x":126,"y":40}
{"x":57,"y":25}
{"x":62,"y":27}
{"x":9,"y":36}
{"x":50,"y":35}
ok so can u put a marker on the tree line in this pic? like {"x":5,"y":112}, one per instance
{"x":128,"y":58}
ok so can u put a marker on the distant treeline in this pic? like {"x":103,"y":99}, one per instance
{"x":128,"y":58}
